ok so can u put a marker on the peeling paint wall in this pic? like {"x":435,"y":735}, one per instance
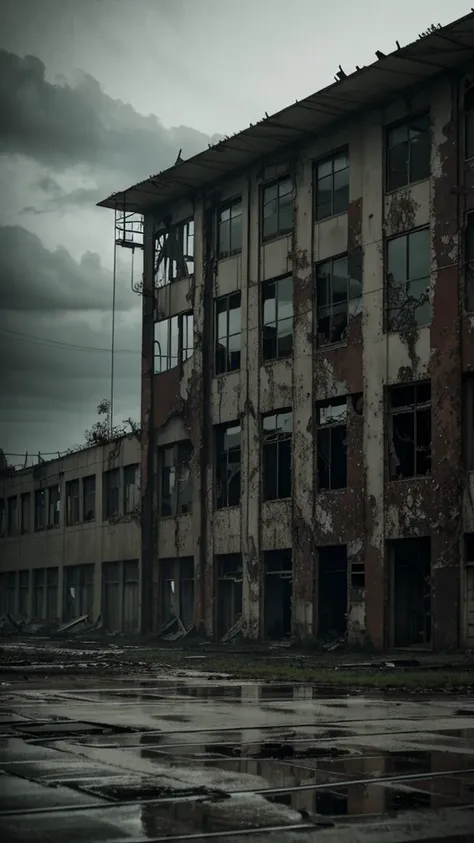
{"x":189,"y":402}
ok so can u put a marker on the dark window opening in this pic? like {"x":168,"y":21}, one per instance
{"x":131,"y":489}
{"x":40,"y":509}
{"x":228,"y":327}
{"x":25,"y":513}
{"x":332,"y":592}
{"x":408,"y":152}
{"x":408,"y":280}
{"x":176,"y":578}
{"x":338,"y":296}
{"x":468,"y":420}
{"x":277,"y":209}
{"x":277,"y":318}
{"x":54,"y":505}
{"x":469,"y":263}
{"x":174,"y":253}
{"x":72,"y":503}
{"x":332,"y":444}
{"x":8,"y":593}
{"x":111,"y":480}
{"x":277,"y":436}
{"x":411,"y":596}
{"x":332,"y":185}
{"x":278,"y":596}
{"x":88,"y":498}
{"x":469,"y":548}
{"x":174,"y":342}
{"x":12,"y":516}
{"x":23,"y":592}
{"x":409,"y":431}
{"x":469,"y":122}
{"x":176,"y":484}
{"x":52,"y":594}
{"x":229,"y":592}
{"x":78,"y":591}
{"x":229,"y":229}
{"x":3,"y":519}
{"x":228,"y":442}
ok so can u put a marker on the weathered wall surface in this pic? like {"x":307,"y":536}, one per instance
{"x":372,"y":509}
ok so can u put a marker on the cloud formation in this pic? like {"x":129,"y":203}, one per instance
{"x":61,"y":126}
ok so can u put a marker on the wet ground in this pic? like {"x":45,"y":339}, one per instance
{"x":193,"y":757}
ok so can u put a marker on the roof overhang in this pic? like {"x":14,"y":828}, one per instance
{"x":440,"y":51}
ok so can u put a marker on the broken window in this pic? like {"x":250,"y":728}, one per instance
{"x":227,"y":465}
{"x":229,"y":591}
{"x":130,"y":596}
{"x":332,"y":444}
{"x":331,"y":185}
{"x":54,"y":498}
{"x":409,"y":430}
{"x":408,"y":280}
{"x":277,"y":434}
{"x":277,"y":208}
{"x":52,"y":594}
{"x":408,"y":152}
{"x":131,"y":489}
{"x":38,"y":606}
{"x":12,"y":516}
{"x":411,"y":591}
{"x":40,"y":509}
{"x":277,"y":318}
{"x":227,"y":333}
{"x":88,"y":498}
{"x":176,"y":583}
{"x":229,"y":229}
{"x":3,"y":522}
{"x":278,"y":594}
{"x":78,"y":591}
{"x":111,"y":493}
{"x":332,"y":591}
{"x":174,"y":341}
{"x":338,"y":295}
{"x":176,"y":485}
{"x":174,"y":253}
{"x":72,"y":503}
{"x":25,"y":503}
{"x":468,"y":420}
{"x":23,"y":592}
{"x":469,"y":123}
{"x":469,"y":263}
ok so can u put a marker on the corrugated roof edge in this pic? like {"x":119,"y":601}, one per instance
{"x":120,"y":201}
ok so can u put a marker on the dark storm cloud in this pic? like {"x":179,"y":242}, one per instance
{"x":61,"y":125}
{"x":33,"y":278}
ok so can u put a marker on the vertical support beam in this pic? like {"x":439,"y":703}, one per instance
{"x":303,"y":466}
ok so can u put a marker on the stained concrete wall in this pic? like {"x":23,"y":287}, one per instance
{"x":87,"y":543}
{"x":372,"y":509}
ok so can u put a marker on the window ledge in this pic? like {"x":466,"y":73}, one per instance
{"x":331,"y":217}
{"x":173,"y":517}
{"x":331,"y":345}
{"x":218,"y":376}
{"x":274,"y":360}
{"x":416,"y":477}
{"x":406,"y":186}
{"x":343,"y":490}
{"x":264,"y":242}
{"x":231,"y":257}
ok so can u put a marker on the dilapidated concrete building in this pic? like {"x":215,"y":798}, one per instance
{"x":308,"y":350}
{"x":70,"y":537}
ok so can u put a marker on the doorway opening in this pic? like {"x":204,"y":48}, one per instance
{"x":278,"y":566}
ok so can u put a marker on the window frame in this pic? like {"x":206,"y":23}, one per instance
{"x":185,"y":334}
{"x":87,"y":494}
{"x":408,"y":123}
{"x":177,"y":449}
{"x":352,"y":303}
{"x":25,"y":497}
{"x":128,"y":471}
{"x":40,"y":499}
{"x":223,"y":451}
{"x":12,"y":517}
{"x":327,"y":428}
{"x":264,"y":286}
{"x":70,"y":520}
{"x":403,"y":409}
{"x":388,"y":285}
{"x":331,"y":157}
{"x":468,"y":260}
{"x":280,"y":232}
{"x":228,"y":336}
{"x":229,"y":206}
{"x":280,"y":437}
{"x":183,"y":232}
{"x":468,"y":134}
{"x":108,"y":490}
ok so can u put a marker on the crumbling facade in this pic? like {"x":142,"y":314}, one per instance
{"x":70,"y":538}
{"x":308,"y":344}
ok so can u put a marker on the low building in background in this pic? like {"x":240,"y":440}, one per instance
{"x":70,"y":537}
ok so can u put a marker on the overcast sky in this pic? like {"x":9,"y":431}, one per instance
{"x":98,"y":94}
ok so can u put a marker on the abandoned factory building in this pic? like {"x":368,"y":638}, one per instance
{"x":70,"y":537}
{"x":308,"y":352}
